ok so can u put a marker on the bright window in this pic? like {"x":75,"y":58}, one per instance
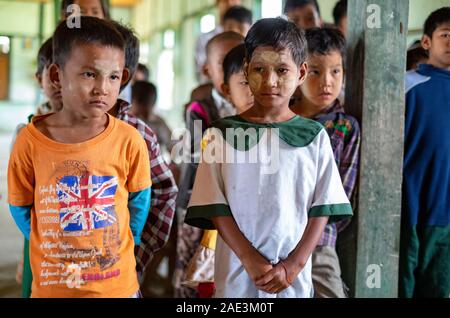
{"x":271,"y":8}
{"x":207,"y":23}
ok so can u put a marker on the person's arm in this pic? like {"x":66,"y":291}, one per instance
{"x":254,"y":263}
{"x":22,"y":217}
{"x":139,"y":206}
{"x":284,"y":273}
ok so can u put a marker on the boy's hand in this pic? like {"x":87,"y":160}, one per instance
{"x":279,"y":278}
{"x":256,"y":265}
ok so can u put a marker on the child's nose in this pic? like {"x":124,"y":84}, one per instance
{"x":271,"y":79}
{"x":101,"y":85}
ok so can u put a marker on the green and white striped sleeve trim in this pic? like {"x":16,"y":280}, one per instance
{"x":201,"y":216}
{"x":335,"y":212}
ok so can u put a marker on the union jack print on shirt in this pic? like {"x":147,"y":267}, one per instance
{"x":87,"y":202}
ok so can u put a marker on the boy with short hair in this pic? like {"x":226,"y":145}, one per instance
{"x":82,"y":212}
{"x":270,"y":216}
{"x":235,"y":84}
{"x":144,"y":96}
{"x":340,"y":16}
{"x":199,"y":116}
{"x":304,"y":13}
{"x":320,"y":102}
{"x":425,"y":235}
{"x":51,"y":91}
{"x":200,"y":47}
{"x":238,"y":19}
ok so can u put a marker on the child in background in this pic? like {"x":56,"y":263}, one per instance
{"x":200,"y":272}
{"x":90,"y":8}
{"x":340,"y":16}
{"x":76,"y":204}
{"x":326,"y":70}
{"x":304,"y":13}
{"x":200,"y":114}
{"x":269,"y":218}
{"x":416,"y":55}
{"x":238,"y":19}
{"x":144,"y":96}
{"x":425,"y":233}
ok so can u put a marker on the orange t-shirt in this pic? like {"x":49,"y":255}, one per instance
{"x":81,"y":243}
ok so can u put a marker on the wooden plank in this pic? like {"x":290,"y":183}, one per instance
{"x":375,"y":95}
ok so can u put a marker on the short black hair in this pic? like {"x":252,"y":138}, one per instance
{"x":132,"y":44}
{"x":66,"y":3}
{"x":144,"y":93}
{"x":222,"y":37}
{"x":436,"y":19}
{"x":279,"y":34}
{"x":294,"y":4}
{"x":339,"y":11}
{"x":45,"y":56}
{"x":92,"y":31}
{"x":323,"y":41}
{"x":415,"y":54}
{"x":233,"y":62}
{"x":239,"y":14}
{"x":144,"y":69}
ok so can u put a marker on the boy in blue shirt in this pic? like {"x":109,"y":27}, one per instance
{"x":425,"y":242}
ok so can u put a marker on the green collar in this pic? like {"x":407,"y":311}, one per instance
{"x":297,"y":132}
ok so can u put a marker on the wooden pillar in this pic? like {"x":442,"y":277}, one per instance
{"x":375,"y":95}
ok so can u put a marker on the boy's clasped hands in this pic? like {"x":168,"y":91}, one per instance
{"x":269,"y":278}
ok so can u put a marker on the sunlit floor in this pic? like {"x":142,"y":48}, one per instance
{"x":11,"y":241}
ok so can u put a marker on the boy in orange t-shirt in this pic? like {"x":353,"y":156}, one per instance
{"x":78,"y":180}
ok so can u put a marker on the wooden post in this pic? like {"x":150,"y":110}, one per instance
{"x":375,"y":95}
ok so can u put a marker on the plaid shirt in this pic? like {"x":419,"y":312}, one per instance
{"x":345,"y":138}
{"x":164,"y":191}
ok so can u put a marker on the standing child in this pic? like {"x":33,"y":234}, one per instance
{"x":326,"y":67}
{"x":83,"y":212}
{"x":200,"y":272}
{"x":199,"y":115}
{"x":425,"y":235}
{"x":269,"y":218}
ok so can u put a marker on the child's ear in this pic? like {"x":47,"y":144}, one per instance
{"x":54,"y":74}
{"x":426,"y":42}
{"x":226,"y":91}
{"x":125,"y":77}
{"x":205,"y":70}
{"x":303,"y":71}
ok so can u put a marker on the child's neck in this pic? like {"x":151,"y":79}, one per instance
{"x":72,"y":128}
{"x":433,"y":62}
{"x":306,"y":109}
{"x":264,"y":115}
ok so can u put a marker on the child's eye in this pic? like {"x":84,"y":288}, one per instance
{"x":88,"y":75}
{"x":336,"y":71}
{"x":245,"y":83}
